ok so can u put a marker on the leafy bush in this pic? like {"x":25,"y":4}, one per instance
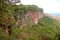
{"x":3,"y":36}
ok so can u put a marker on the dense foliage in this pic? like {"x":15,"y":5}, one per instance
{"x":46,"y":29}
{"x":21,"y":10}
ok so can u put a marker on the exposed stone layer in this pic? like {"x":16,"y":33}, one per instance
{"x":31,"y":18}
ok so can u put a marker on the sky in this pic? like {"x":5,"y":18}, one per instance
{"x":49,"y":6}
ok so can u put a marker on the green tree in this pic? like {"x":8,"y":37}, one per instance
{"x":6,"y":15}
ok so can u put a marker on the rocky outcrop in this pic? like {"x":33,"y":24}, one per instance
{"x":30,"y":18}
{"x":34,"y":16}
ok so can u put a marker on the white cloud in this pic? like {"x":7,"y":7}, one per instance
{"x":49,"y":6}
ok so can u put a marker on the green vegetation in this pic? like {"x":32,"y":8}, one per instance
{"x":21,"y":10}
{"x":46,"y":29}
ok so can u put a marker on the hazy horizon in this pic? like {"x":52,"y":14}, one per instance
{"x":49,"y":6}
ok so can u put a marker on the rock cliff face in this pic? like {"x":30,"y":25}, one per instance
{"x":34,"y":16}
{"x":31,"y":18}
{"x":28,"y":15}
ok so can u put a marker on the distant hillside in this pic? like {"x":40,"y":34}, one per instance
{"x":53,"y":16}
{"x":56,"y":14}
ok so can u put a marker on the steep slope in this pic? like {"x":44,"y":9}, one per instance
{"x":23,"y":13}
{"x":46,"y":29}
{"x":13,"y":17}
